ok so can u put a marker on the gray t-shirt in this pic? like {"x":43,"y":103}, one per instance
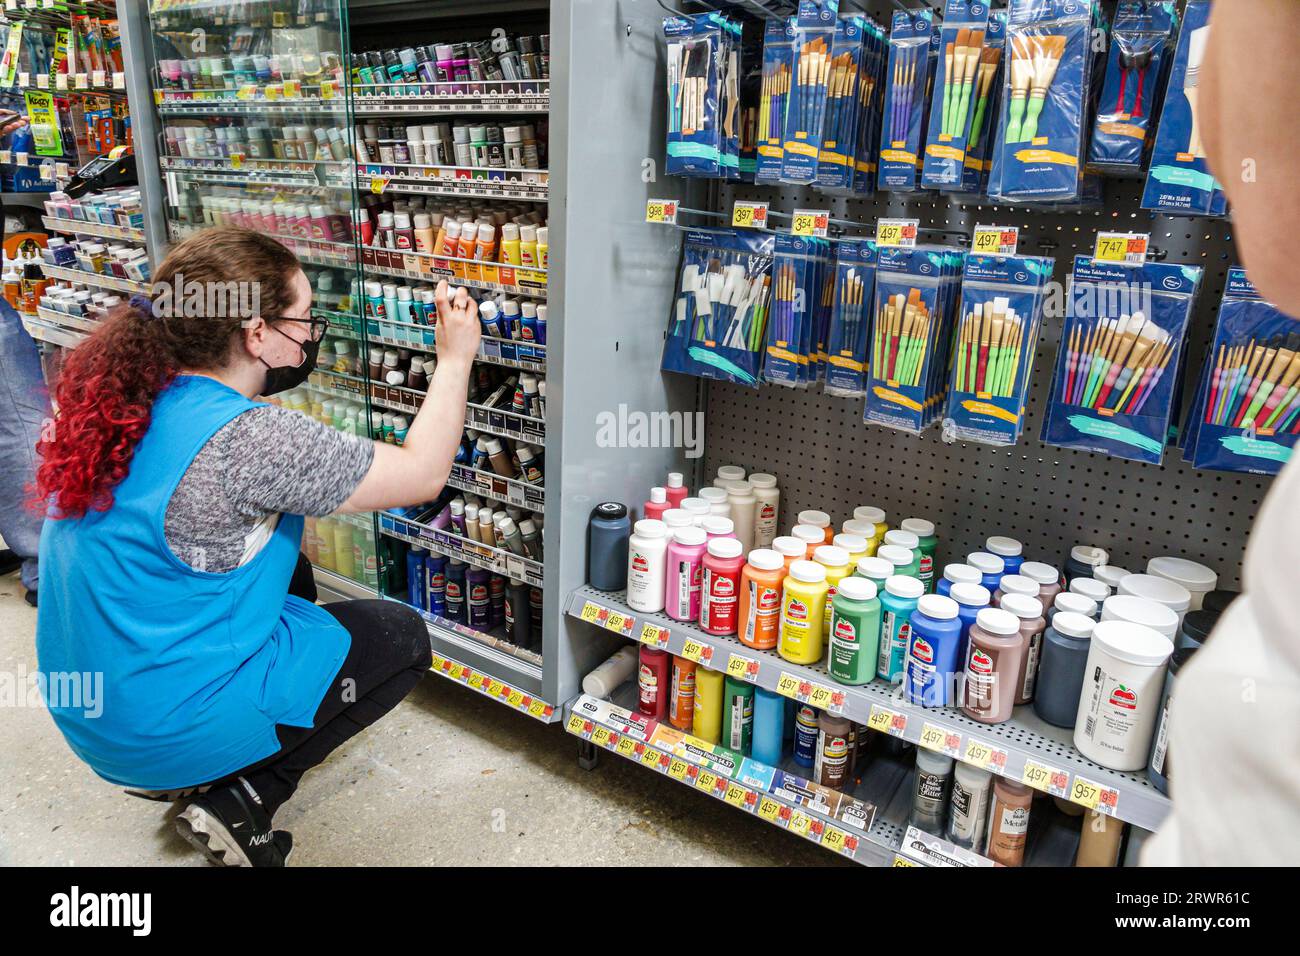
{"x":265,"y":462}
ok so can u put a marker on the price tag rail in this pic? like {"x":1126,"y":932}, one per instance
{"x":1008,"y":749}
{"x":502,"y":691}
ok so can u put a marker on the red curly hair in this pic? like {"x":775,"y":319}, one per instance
{"x":108,"y":385}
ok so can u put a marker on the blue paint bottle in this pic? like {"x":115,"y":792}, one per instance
{"x":805,"y":735}
{"x":769,"y":727}
{"x":456,"y":591}
{"x":971,"y":599}
{"x":415,"y":584}
{"x":990,"y":567}
{"x":933,"y":651}
{"x":435,"y":584}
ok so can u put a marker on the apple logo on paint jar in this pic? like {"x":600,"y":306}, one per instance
{"x":922,"y":651}
{"x":796,"y":610}
{"x":845,"y":631}
{"x":980,"y":663}
{"x":1123,"y":698}
{"x":639,"y":563}
{"x":769,"y":599}
{"x":723,"y":586}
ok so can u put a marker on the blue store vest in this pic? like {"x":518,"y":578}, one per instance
{"x":197,"y":668}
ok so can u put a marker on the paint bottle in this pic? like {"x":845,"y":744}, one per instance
{"x":1074,"y":603}
{"x":676,"y":518}
{"x":657,"y":505}
{"x":758,"y":623}
{"x":652,"y":683}
{"x":720,"y":586}
{"x":836,"y":562}
{"x":1009,"y":550}
{"x":608,"y":531}
{"x":1197,"y":626}
{"x":855,"y":632}
{"x":1158,"y":768}
{"x":1083,"y":560}
{"x":994,"y":649}
{"x":716,"y":526}
{"x":697,"y":508}
{"x":831,"y":764}
{"x":990,"y":567}
{"x":897,"y":603}
{"x":685,"y":574}
{"x":1090,"y":588}
{"x":802,"y":608}
{"x":510,"y":244}
{"x":791,"y":549}
{"x":719,"y":505}
{"x":1046,"y":577}
{"x":905,"y":561}
{"x":478,"y":598}
{"x":647,"y":565}
{"x":1062,"y":667}
{"x":519,"y":623}
{"x":820,"y":520}
{"x":805,"y":735}
{"x":1015,"y":584}
{"x":1029,"y":612}
{"x":811,"y":536}
{"x":769,"y":726}
{"x":972,"y":791}
{"x":877,"y":518}
{"x":1136,"y":610}
{"x":415,"y":588}
{"x":681,"y":698}
{"x":727,"y":474}
{"x":1110,"y":575}
{"x":744,"y":505}
{"x":1161,"y":590}
{"x":435,"y":584}
{"x":1099,"y":840}
{"x":876,"y":570}
{"x":1196,"y":578}
{"x":543,"y":248}
{"x":1119,"y":703}
{"x":706,"y":721}
{"x":927,"y":544}
{"x":737,"y":715}
{"x":933,"y":651}
{"x":971,"y":599}
{"x":930,"y":794}
{"x":766,"y":510}
{"x":612,"y":674}
{"x":455,"y":591}
{"x":1009,"y":822}
{"x":855,"y":545}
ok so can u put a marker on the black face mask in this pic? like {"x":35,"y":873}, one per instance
{"x":285,"y":377}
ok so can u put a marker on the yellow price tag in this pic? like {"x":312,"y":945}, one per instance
{"x":800,"y":823}
{"x":735,"y":795}
{"x":247,"y":92}
{"x":614,"y":622}
{"x":327,"y":89}
{"x":236,"y":160}
{"x":600,"y":736}
{"x":515,"y":699}
{"x":1037,"y":776}
{"x":662,"y":211}
{"x":575,"y":725}
{"x":1085,"y":793}
{"x":476,"y":680}
{"x":292,"y":90}
{"x":821,"y":697}
{"x":833,"y":839}
{"x":742,"y":668}
{"x":769,"y":809}
{"x":654,"y":635}
{"x":880,"y":719}
{"x":903,"y":861}
{"x":378,"y":184}
{"x":995,"y":240}
{"x":896,"y":232}
{"x":978,"y":753}
{"x":279,"y":19}
{"x":810,"y":222}
{"x":649,"y":757}
{"x":706,"y":781}
{"x":932,"y":737}
{"x":677,"y":769}
{"x":494,"y":687}
{"x":1129,"y":248}
{"x":697,"y":651}
{"x":626,"y":746}
{"x":537,"y":708}
{"x":157,"y":97}
{"x":749,"y":215}
{"x":589,"y":613}
{"x":787,"y":685}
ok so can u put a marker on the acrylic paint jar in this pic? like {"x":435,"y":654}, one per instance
{"x":608,"y":531}
{"x":831,"y":766}
{"x":737,"y":715}
{"x":1009,"y":550}
{"x":1196,"y":578}
{"x":653,"y":682}
{"x":1008,"y":822}
{"x":1110,"y":576}
{"x":821,"y":520}
{"x":769,"y":727}
{"x":897,"y":603}
{"x":1161,"y":590}
{"x":1158,"y":769}
{"x":1136,"y":610}
{"x":647,"y":565}
{"x":990,"y":567}
{"x":1015,"y":584}
{"x":1120,"y":699}
{"x":1090,"y":588}
{"x":744,"y":506}
{"x":972,"y":792}
{"x":855,"y":545}
{"x":971,"y":598}
{"x":927,"y":544}
{"x":720,"y":587}
{"x":728,"y":473}
{"x":790,"y":548}
{"x":876,"y":570}
{"x":957,"y":574}
{"x":855,"y":632}
{"x":930,"y":791}
{"x":805,"y":735}
{"x":933,"y":652}
{"x":685,"y":574}
{"x":1218,"y":601}
{"x":681,"y":694}
{"x":613,"y":673}
{"x":717,"y":499}
{"x":1029,"y":611}
{"x":1099,"y":840}
{"x":876,"y":516}
{"x":904,"y":560}
{"x":1046,"y":577}
{"x":802,"y":608}
{"x":706,"y":721}
{"x":811,"y":536}
{"x":478,"y":598}
{"x":767,"y":508}
{"x":865,"y":530}
{"x":993,"y":652}
{"x":759,"y":622}
{"x":675,"y":489}
{"x":1196,"y":627}
{"x":1083,"y":561}
{"x":716,"y":526}
{"x":836,"y":562}
{"x":697,"y":508}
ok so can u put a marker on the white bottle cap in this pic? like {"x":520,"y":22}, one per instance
{"x":695,"y":506}
{"x":810,"y":572}
{"x":1161,"y":590}
{"x":674,"y":479}
{"x":863,"y":529}
{"x":712,"y":494}
{"x":1086,"y":554}
{"x":1195,"y":577}
{"x":677,"y":518}
{"x":807,"y":533}
{"x":900,"y":585}
{"x":830,"y":556}
{"x":1073,"y":625}
{"x":936,"y":606}
{"x":902,"y":539}
{"x":971,"y":595}
{"x":645,"y":528}
{"x":818,"y":519}
{"x":852,"y":543}
{"x":898,"y":557}
{"x":789,"y":546}
{"x":986,"y":563}
{"x":962,"y":574}
{"x":1019,"y":584}
{"x":917,"y":526}
{"x":869,"y":513}
{"x":761,"y":480}
{"x":739,"y":489}
{"x":856,"y":589}
{"x":718,"y":525}
{"x":1133,"y":643}
{"x":731,"y":473}
{"x":997,"y":621}
{"x":1069,"y":602}
{"x":1109,"y":575}
{"x":1044,"y":574}
{"x":1004,"y":547}
{"x":765,"y":559}
{"x":689,"y":536}
{"x":658,"y":496}
{"x":1090,"y":588}
{"x":1136,"y":610}
{"x":725,"y":548}
{"x":1021,"y":606}
{"x":878,"y":569}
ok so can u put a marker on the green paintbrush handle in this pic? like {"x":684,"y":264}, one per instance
{"x":1015,"y":117}
{"x":1030,"y":128}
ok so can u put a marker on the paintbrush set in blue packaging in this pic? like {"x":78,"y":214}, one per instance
{"x":916,"y":294}
{"x":956,"y":93}
{"x":718,"y":324}
{"x":792,"y":330}
{"x":1140,"y":55}
{"x":1179,"y":182}
{"x":855,"y":287}
{"x":871,"y":96}
{"x":805,"y":114}
{"x":988,"y":95}
{"x":778,"y":58}
{"x":994,"y":342}
{"x":840,"y":126}
{"x":703,"y":57}
{"x":1042,"y":127}
{"x":912,"y":39}
{"x":1119,"y":366}
{"x":1246,"y":415}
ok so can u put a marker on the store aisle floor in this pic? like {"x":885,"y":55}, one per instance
{"x":449,"y":778}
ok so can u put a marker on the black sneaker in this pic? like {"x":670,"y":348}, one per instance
{"x":230,"y":828}
{"x":9,"y":562}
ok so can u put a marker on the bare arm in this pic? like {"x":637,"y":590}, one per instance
{"x":416,"y":471}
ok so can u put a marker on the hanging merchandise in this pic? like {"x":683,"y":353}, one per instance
{"x":910,"y":336}
{"x":1179,"y":182}
{"x":1246,"y":414}
{"x":913,"y":45}
{"x":719,"y":319}
{"x":43,"y":118}
{"x":805,"y":115}
{"x":1040,"y":151}
{"x":800,"y":266}
{"x":697,"y":51}
{"x":987,"y":94}
{"x":778,"y":58}
{"x":996,"y":340}
{"x":871,"y":87}
{"x":855,"y":286}
{"x":839,"y":128}
{"x":955,"y":98}
{"x":1141,"y":43}
{"x":1118,"y":371}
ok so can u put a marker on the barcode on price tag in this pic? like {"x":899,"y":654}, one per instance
{"x":811,"y":222}
{"x":995,"y":240}
{"x":1126,"y":248}
{"x":899,"y":233}
{"x":663,"y":211}
{"x":749,"y":215}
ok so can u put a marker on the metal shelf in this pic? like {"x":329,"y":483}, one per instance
{"x":494,"y":351}
{"x":78,"y":227}
{"x":1024,"y":749}
{"x":54,"y":335}
{"x":469,"y":181}
{"x":509,"y":491}
{"x":499,"y":96}
{"x":237,"y":170}
{"x":482,"y":640}
{"x":94,"y":279}
{"x":77,"y":323}
{"x":497,"y":560}
{"x":491,"y":687}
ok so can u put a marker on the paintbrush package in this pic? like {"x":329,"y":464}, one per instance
{"x":987,"y":94}
{"x":798,"y":274}
{"x":805,"y":113}
{"x":907,"y":361}
{"x":1140,"y":47}
{"x":840,"y":127}
{"x":1118,"y":369}
{"x":1246,"y":416}
{"x":1041,"y":131}
{"x":778,"y":59}
{"x":994,"y":342}
{"x":1179,"y":182}
{"x":871,"y":96}
{"x":956,"y":93}
{"x":695,"y":72}
{"x":855,"y":287}
{"x":719,"y":317}
{"x":911,"y":39}
{"x":751,"y":97}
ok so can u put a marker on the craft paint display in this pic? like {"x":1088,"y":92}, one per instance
{"x":612,"y":674}
{"x":971,"y":598}
{"x":930,"y":794}
{"x":767,"y":508}
{"x":1083,"y":560}
{"x":759,"y":621}
{"x":926,"y":545}
{"x":1136,"y":610}
{"x":803,"y":605}
{"x":1008,"y":822}
{"x":972,"y":792}
{"x":720,"y":600}
{"x":831,"y":768}
{"x":608,"y":531}
{"x":706,"y":722}
{"x":653,"y":682}
{"x":1160,"y":590}
{"x":737,"y":715}
{"x":1029,"y":612}
{"x":647,"y":565}
{"x":957,"y":574}
{"x":681,"y":698}
{"x":1196,"y":578}
{"x":1119,"y":702}
{"x":1158,"y":768}
{"x":990,"y":567}
{"x":933,"y":652}
{"x":897,"y":602}
{"x":769,"y":727}
{"x":836,"y":562}
{"x":805,"y":735}
{"x":685,"y":574}
{"x":994,"y":651}
{"x":1009,"y":550}
{"x":855,"y":632}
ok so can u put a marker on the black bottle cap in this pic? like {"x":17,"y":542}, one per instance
{"x":1181,"y":657}
{"x":1218,"y":601}
{"x":1197,"y":625}
{"x":609,"y":511}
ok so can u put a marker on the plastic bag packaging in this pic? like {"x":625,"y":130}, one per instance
{"x":718,"y":323}
{"x":1246,"y":415}
{"x":994,"y":343}
{"x":987,"y":95}
{"x":1118,"y":370}
{"x":796,"y":297}
{"x":1179,"y":182}
{"x":840,"y":127}
{"x":778,"y":59}
{"x":956,"y":93}
{"x":695,"y":144}
{"x":1141,"y":43}
{"x":751,"y":96}
{"x":805,"y":113}
{"x":871,"y":98}
{"x":913,"y":44}
{"x":855,"y":287}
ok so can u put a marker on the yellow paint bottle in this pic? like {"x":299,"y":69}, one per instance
{"x":706,"y":721}
{"x":837,"y":564}
{"x":803,"y":607}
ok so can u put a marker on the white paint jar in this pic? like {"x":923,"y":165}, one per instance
{"x":1120,"y":698}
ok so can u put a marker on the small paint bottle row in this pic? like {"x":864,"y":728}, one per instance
{"x":517,"y":460}
{"x":112,"y":207}
{"x":258,"y":141}
{"x":390,"y":303}
{"x":98,"y":258}
{"x":436,"y":69}
{"x":241,"y":70}
{"x":476,"y":145}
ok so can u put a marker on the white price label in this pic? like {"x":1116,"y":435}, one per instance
{"x":5,"y":157}
{"x":60,"y":81}
{"x":98,"y":79}
{"x":42,"y":81}
{"x":119,"y":81}
{"x":24,"y":79}
{"x":83,"y":81}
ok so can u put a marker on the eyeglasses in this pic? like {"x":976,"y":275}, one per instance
{"x":318,"y":326}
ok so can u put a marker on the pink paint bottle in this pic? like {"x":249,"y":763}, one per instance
{"x":676,"y":490}
{"x":720,"y":591}
{"x":685,"y":574}
{"x":657,"y":505}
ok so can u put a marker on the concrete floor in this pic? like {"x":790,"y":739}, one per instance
{"x":449,"y":778}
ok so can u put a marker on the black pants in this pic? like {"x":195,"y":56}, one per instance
{"x":390,"y":652}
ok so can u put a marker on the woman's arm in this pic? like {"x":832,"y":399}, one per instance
{"x":417,"y":470}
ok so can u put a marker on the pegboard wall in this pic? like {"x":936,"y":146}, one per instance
{"x":826,"y":457}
